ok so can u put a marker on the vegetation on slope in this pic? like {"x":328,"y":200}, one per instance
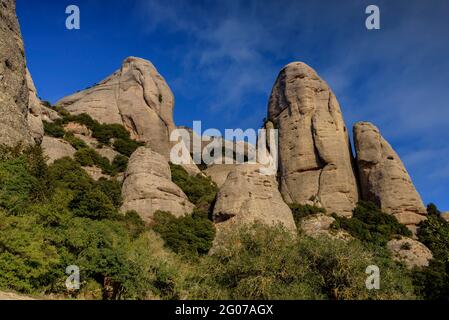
{"x":200,"y":190}
{"x":370,"y":225}
{"x":112,"y":135}
{"x":55,"y":216}
{"x":433,"y":281}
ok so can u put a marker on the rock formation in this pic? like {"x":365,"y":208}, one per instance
{"x":13,"y":86}
{"x":445,"y":216}
{"x":413,"y":253}
{"x":137,"y":97}
{"x":148,"y":187}
{"x":55,"y":149}
{"x":315,"y":158}
{"x":248,"y":196}
{"x":383,"y":177}
{"x":35,"y":108}
{"x":318,"y":225}
{"x":219,"y":172}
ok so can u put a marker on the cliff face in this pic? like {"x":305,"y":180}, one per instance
{"x":137,"y":97}
{"x":13,"y":86}
{"x":314,"y":152}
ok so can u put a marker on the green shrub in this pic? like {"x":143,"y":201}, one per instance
{"x":190,"y":235}
{"x":27,"y":261}
{"x":113,"y":189}
{"x":371,"y":225}
{"x":23,"y":178}
{"x":93,"y":204}
{"x":75,"y":142}
{"x":200,"y":190}
{"x":120,"y":163}
{"x":301,"y":211}
{"x":67,"y":174}
{"x":75,"y":224}
{"x":126,"y":146}
{"x":88,"y":157}
{"x":433,"y":281}
{"x":133,"y":223}
{"x":260,"y":262}
{"x":53,"y":129}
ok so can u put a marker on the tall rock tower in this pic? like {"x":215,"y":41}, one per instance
{"x":13,"y":86}
{"x":315,"y":157}
{"x":383,"y":177}
{"x":135,"y":96}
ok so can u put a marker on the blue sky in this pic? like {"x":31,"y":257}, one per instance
{"x":221,"y":59}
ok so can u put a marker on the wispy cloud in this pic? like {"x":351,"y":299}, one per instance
{"x":396,"y":77}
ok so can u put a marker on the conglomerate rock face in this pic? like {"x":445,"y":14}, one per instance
{"x":413,"y":253}
{"x":55,"y":149}
{"x":315,"y":157}
{"x":137,"y":97}
{"x":13,"y":85}
{"x":383,"y":177}
{"x":35,"y":111}
{"x":148,"y":188}
{"x":248,"y":196}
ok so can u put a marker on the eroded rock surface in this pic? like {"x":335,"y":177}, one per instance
{"x":137,"y":97}
{"x":13,"y":85}
{"x":314,"y":151}
{"x":413,"y":253}
{"x":383,"y":177}
{"x":320,"y":225}
{"x":35,"y":108}
{"x":55,"y":149}
{"x":248,"y":196}
{"x":148,"y":187}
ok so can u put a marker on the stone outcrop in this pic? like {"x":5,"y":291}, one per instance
{"x":55,"y":149}
{"x":137,"y":97}
{"x":445,"y":216}
{"x":219,"y":172}
{"x":13,"y":86}
{"x":383,"y":177}
{"x":148,"y":187}
{"x":248,"y":196}
{"x":413,"y":253}
{"x":315,"y":158}
{"x":35,"y":108}
{"x":318,"y":225}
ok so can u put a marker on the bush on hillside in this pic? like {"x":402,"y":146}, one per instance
{"x":76,"y":224}
{"x":189,"y":235}
{"x":75,"y":142}
{"x":261,"y":262}
{"x":301,"y":211}
{"x":371,"y":225}
{"x":200,"y":190}
{"x":112,"y":189}
{"x":53,"y":129}
{"x":93,"y":204}
{"x":120,"y":163}
{"x":88,"y":157}
{"x":433,"y":281}
{"x":126,"y":146}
